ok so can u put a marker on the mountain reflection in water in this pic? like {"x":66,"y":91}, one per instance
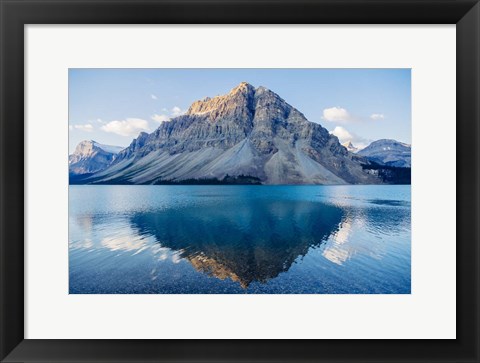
{"x":239,"y":239}
{"x":246,"y":242}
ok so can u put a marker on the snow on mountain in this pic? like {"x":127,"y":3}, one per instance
{"x":388,"y":152}
{"x":109,"y":148}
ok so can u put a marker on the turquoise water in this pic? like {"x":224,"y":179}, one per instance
{"x":239,"y":239}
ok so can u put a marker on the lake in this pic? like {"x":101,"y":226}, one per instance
{"x":239,"y":239}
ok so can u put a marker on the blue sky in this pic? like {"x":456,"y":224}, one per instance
{"x":111,"y":106}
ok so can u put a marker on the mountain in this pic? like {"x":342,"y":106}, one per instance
{"x":389,"y":152}
{"x":248,"y":134}
{"x":90,"y":157}
{"x":349,"y":146}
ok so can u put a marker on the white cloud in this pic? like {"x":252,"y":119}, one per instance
{"x":174,"y":112}
{"x":70,"y":127}
{"x":177,"y":111}
{"x":377,"y":116}
{"x":336,"y":114}
{"x":153,"y":97}
{"x":128,"y":127}
{"x":345,"y":136}
{"x":86,"y":127}
{"x":160,"y":118}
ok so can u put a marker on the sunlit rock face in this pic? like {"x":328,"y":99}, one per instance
{"x":247,"y":132}
{"x":259,"y":240}
{"x":350,"y":147}
{"x":90,"y":157}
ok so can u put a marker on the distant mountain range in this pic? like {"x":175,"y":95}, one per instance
{"x":90,"y":157}
{"x":389,"y":152}
{"x":248,"y":136}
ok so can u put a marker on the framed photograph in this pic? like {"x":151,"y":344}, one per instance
{"x":239,"y":192}
{"x":240,"y":181}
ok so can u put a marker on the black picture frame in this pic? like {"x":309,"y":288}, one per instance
{"x":15,"y":14}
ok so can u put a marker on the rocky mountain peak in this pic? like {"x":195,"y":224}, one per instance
{"x":90,"y":156}
{"x":248,"y":132}
{"x":219,"y":106}
{"x":243,"y":87}
{"x":350,"y":147}
{"x":85,"y":148}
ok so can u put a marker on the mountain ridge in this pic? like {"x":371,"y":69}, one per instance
{"x":250,"y":133}
{"x":90,"y":157}
{"x":388,"y":152}
{"x":350,"y":147}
